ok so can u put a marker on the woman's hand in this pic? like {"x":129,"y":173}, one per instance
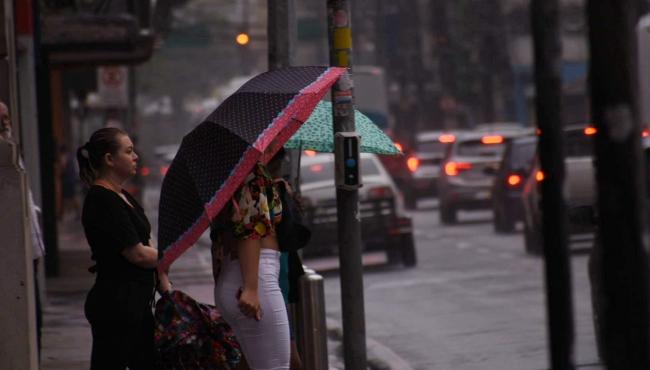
{"x":164,"y":284}
{"x":249,"y":304}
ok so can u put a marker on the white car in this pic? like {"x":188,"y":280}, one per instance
{"x":384,"y":226}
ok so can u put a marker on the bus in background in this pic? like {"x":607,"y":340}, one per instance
{"x":371,"y":98}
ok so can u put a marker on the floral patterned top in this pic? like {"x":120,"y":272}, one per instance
{"x":256,"y":206}
{"x":252,"y":213}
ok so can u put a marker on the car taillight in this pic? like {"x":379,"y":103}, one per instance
{"x":310,"y":153}
{"x":590,"y":131}
{"x":399,"y":146}
{"x":539,"y":176}
{"x":163,"y":170}
{"x":413,"y":163}
{"x":145,"y":171}
{"x":447,"y":138}
{"x":493,"y":139}
{"x":380,"y":192}
{"x":645,"y":132}
{"x":514,"y":180}
{"x":454,"y":168}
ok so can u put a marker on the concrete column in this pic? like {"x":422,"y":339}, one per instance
{"x":17,"y":323}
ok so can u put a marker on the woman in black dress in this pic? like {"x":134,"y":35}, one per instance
{"x":118,"y":306}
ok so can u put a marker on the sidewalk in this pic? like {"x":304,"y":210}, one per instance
{"x":66,"y":339}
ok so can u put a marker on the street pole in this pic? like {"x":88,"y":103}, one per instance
{"x":548,"y":85}
{"x":281,"y":30}
{"x":347,"y":194}
{"x":621,"y":203}
{"x":46,"y":145}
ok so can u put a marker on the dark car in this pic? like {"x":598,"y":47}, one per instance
{"x":509,"y":182}
{"x":579,"y":189}
{"x":424,"y":165}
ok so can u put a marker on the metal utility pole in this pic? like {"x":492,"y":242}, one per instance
{"x":548,"y":84}
{"x":281,"y":33}
{"x":46,"y":146}
{"x":623,"y":271}
{"x":347,"y":194}
{"x":281,"y":30}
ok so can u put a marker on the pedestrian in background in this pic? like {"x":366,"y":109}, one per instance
{"x":292,"y":236}
{"x":119,"y":305}
{"x":246,"y":266}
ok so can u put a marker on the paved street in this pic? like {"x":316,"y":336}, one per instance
{"x":475,"y":300}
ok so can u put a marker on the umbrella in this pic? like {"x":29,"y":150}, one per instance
{"x":214,"y":158}
{"x":317,"y":134}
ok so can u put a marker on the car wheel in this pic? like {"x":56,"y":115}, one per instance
{"x":409,"y":256}
{"x":503,"y":223}
{"x":448,"y":214}
{"x":598,"y":299}
{"x":410,"y":200}
{"x":532,"y":239}
{"x":393,"y":253}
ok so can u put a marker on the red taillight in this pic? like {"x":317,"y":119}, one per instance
{"x":454,"y":168}
{"x":514,"y":180}
{"x":645,"y":132}
{"x":590,"y":131}
{"x":316,"y":168}
{"x":163,"y":170}
{"x":539,"y":176}
{"x":380,"y":192}
{"x":145,"y":171}
{"x":399,"y":146}
{"x":447,"y":138}
{"x":494,"y":139}
{"x":413,"y":163}
{"x":538,"y":132}
{"x":310,"y":153}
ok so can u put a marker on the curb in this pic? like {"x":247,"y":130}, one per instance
{"x":380,"y":357}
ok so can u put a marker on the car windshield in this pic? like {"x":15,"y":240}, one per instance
{"x":521,"y":155}
{"x":475,"y":148}
{"x":324,"y":171}
{"x":578,"y":144}
{"x":431,"y":147}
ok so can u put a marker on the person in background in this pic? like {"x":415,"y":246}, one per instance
{"x":68,"y":183}
{"x":38,"y":247}
{"x":292,"y":236}
{"x":119,"y":305}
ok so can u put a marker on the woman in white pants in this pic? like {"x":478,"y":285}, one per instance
{"x":246,"y":267}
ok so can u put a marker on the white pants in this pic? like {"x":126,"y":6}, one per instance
{"x":265,"y":343}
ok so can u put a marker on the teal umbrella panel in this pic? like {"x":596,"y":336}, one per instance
{"x":317,"y":133}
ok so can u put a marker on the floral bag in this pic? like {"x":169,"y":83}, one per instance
{"x":192,"y":335}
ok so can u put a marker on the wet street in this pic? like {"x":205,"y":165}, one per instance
{"x":474,"y":301}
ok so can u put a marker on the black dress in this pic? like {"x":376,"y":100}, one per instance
{"x":119,"y":305}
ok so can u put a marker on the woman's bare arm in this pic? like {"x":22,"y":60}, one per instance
{"x":141,"y":255}
{"x":249,"y":258}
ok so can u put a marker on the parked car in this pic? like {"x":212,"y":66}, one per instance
{"x":424,"y":165}
{"x":579,"y":189}
{"x":516,"y":164}
{"x":468,"y":171}
{"x":384,"y":226}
